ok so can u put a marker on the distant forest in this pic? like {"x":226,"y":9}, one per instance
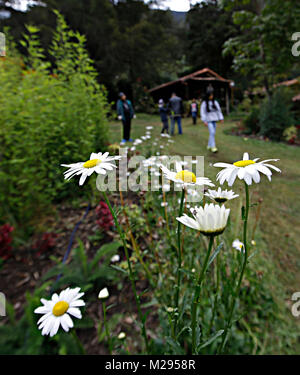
{"x":135,"y":46}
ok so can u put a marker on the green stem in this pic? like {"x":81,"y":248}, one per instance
{"x":197,"y":293}
{"x":179,"y":260}
{"x":237,"y":292}
{"x":106,"y":328}
{"x":78,"y":342}
{"x":131,"y":276}
{"x":217,"y":293}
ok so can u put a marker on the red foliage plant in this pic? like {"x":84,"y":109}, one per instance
{"x":45,"y":243}
{"x":5,"y":241}
{"x":104,"y":216}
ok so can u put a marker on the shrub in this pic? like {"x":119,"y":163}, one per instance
{"x":48,"y":116}
{"x":251,"y":121}
{"x":275,"y":114}
{"x":290,"y":134}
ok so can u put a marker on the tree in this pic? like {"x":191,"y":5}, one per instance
{"x":129,"y":41}
{"x":209,"y":27}
{"x":263,"y":49}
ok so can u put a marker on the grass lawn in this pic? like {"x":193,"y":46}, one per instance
{"x":278,"y":226}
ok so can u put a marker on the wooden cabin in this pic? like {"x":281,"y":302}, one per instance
{"x":195,"y":85}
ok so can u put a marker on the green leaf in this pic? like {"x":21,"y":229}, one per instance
{"x":105,"y":249}
{"x":211,"y":339}
{"x":118,"y":269}
{"x":215,"y":253}
{"x":186,"y":328}
{"x":177,"y":349}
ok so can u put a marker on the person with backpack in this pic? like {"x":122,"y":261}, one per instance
{"x":211,"y":113}
{"x":176,"y":108}
{"x":126,"y":114}
{"x":163,"y":111}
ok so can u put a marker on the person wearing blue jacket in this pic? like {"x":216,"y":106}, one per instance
{"x":126,"y":114}
{"x":163,"y":111}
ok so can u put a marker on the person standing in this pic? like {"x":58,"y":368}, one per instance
{"x":194,"y":110}
{"x":176,"y":108}
{"x":210,"y":114}
{"x":126,"y":114}
{"x":163,"y":111}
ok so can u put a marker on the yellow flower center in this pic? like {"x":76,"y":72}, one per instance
{"x":243,"y":163}
{"x":91,"y":163}
{"x":186,"y":176}
{"x":60,"y":308}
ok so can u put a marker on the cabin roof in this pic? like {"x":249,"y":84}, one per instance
{"x":205,"y":74}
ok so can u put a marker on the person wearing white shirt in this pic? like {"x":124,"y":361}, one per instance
{"x":211,"y":113}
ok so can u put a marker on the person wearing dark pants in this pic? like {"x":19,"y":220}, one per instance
{"x":176,"y":108}
{"x":126,"y":114}
{"x":194,"y":111}
{"x":163,"y":111}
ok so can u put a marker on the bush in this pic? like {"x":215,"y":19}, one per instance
{"x":275,"y":114}
{"x":48,"y":115}
{"x":290,"y":134}
{"x":251,"y":121}
{"x":143,"y":100}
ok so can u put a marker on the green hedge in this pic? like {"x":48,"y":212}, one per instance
{"x":49,"y":114}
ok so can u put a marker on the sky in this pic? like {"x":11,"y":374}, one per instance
{"x":178,"y":5}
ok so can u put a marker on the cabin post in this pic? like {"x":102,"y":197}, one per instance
{"x":227,"y":100}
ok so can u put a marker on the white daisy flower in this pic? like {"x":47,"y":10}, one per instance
{"x":184,"y":177}
{"x":121,"y":335}
{"x":210,"y":220}
{"x":115,"y":258}
{"x":221,"y":196}
{"x":164,"y":204}
{"x":103,"y":293}
{"x":246,"y":170}
{"x":99,"y":163}
{"x":57,"y":311}
{"x":149,"y":127}
{"x":238,"y":245}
